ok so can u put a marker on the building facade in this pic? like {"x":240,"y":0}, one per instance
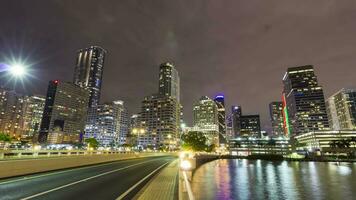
{"x":341,"y":108}
{"x":107,"y":123}
{"x":64,"y":114}
{"x":250,"y":126}
{"x":89,"y":71}
{"x":328,"y":142}
{"x":169,"y":83}
{"x":220,"y":102}
{"x":205,"y":119}
{"x":11,"y":105}
{"x":160,"y":119}
{"x":276,"y":117}
{"x":33,"y":107}
{"x":236,"y":113}
{"x":303,"y":102}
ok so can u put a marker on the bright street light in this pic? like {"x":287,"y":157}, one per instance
{"x":17,"y":70}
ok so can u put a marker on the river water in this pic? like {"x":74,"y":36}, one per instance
{"x":258,"y":179}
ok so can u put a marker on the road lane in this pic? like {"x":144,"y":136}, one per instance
{"x":104,"y":181}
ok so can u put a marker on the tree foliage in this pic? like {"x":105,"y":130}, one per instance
{"x":195,"y":141}
{"x":4,"y":137}
{"x":92,"y":142}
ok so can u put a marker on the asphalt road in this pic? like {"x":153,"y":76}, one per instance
{"x":121,"y":179}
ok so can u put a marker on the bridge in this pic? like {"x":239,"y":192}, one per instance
{"x":95,"y":175}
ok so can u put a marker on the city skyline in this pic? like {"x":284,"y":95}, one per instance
{"x":245,"y":70}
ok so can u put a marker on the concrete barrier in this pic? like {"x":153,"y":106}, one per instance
{"x":11,"y":168}
{"x":185,"y":176}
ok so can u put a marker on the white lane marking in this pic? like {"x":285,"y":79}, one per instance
{"x":83,"y":180}
{"x":138,"y":183}
{"x":60,"y":172}
{"x":188,"y":187}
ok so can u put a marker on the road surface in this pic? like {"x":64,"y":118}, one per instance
{"x":116,"y":180}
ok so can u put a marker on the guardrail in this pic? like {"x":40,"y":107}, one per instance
{"x":20,"y":154}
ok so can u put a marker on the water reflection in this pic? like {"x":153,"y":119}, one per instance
{"x":257,"y":179}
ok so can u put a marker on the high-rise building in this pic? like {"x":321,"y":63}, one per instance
{"x":220,"y":102}
{"x":33,"y":107}
{"x":107,"y":123}
{"x":169,"y":81}
{"x":250,"y":126}
{"x":11,"y":105}
{"x":303,"y":102}
{"x":341,"y":108}
{"x":205,"y":113}
{"x":159,"y":117}
{"x":64,"y":114}
{"x":236,"y":113}
{"x":89,"y":71}
{"x":276,"y":117}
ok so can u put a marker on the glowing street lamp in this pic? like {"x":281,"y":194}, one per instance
{"x":17,"y":70}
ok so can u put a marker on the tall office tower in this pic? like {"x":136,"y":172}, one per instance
{"x":341,"y":109}
{"x":250,"y":126}
{"x":303,"y":102}
{"x":169,"y":81}
{"x":236,"y":113}
{"x":89,"y":71}
{"x":64,"y":114}
{"x":124,"y":125}
{"x":220,"y":102}
{"x":11,"y":105}
{"x":276,"y":117}
{"x":106,"y":123}
{"x":229,"y":129}
{"x":33,"y":107}
{"x":205,"y":119}
{"x":159,"y":117}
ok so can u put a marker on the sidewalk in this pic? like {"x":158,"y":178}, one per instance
{"x":162,"y":186}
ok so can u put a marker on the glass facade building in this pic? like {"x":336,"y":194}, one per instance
{"x":303,"y":102}
{"x":276,"y":117}
{"x":89,"y":71}
{"x":220,"y":102}
{"x":341,"y":108}
{"x":107,"y":123}
{"x":65,"y":112}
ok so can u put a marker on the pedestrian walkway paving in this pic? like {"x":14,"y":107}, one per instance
{"x":162,"y":186}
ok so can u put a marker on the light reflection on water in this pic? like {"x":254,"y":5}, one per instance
{"x":258,"y":179}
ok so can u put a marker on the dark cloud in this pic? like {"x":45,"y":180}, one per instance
{"x":239,"y":48}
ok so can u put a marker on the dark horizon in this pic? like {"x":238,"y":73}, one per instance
{"x":240,"y":49}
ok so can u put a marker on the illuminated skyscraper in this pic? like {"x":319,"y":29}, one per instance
{"x":65,"y":112}
{"x":159,"y":117}
{"x":250,"y":126}
{"x":205,"y":113}
{"x":276,"y":117}
{"x":169,"y":81}
{"x":89,"y":71}
{"x":33,"y":107}
{"x":220,"y":102}
{"x":236,"y":113}
{"x":341,"y":109}
{"x":107,"y":123}
{"x":303,"y":102}
{"x":11,"y":105}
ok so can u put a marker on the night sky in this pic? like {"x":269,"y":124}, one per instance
{"x":238,"y":48}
